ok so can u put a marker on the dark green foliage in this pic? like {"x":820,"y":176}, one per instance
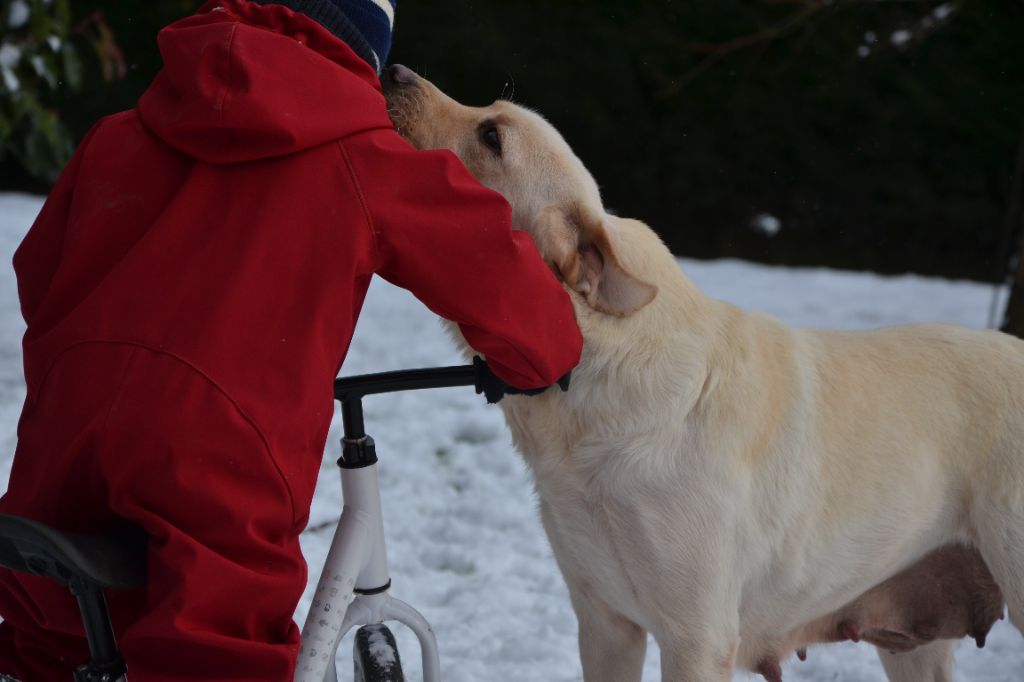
{"x":135,"y":24}
{"x":70,"y":70}
{"x":36,"y":59}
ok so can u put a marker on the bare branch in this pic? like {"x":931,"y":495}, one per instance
{"x":803,"y":18}
{"x":717,"y":53}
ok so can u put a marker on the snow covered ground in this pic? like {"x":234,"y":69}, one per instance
{"x":465,"y":545}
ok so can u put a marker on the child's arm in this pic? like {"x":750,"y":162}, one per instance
{"x":449,"y":240}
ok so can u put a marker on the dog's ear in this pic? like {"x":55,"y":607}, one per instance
{"x":580,"y":245}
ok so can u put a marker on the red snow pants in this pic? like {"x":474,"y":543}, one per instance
{"x":121,"y":432}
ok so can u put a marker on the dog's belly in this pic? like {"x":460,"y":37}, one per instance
{"x":948,"y":594}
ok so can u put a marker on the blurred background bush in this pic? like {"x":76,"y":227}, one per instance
{"x":882,"y":135}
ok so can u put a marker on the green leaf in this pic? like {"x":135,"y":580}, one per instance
{"x":62,"y":16}
{"x":42,"y":66}
{"x":40,"y":20}
{"x":48,"y":147}
{"x":73,"y":70}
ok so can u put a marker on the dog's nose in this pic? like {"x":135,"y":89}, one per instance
{"x":401,"y":75}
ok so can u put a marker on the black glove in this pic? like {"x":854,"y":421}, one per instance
{"x":494,"y":388}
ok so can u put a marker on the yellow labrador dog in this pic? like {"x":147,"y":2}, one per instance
{"x":736,"y":487}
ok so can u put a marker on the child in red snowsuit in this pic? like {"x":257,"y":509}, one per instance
{"x":191,"y":288}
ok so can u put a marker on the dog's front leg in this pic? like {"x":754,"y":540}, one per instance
{"x":612,"y":647}
{"x":684,"y":659}
{"x":699,"y":634}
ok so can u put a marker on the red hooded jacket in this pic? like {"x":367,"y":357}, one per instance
{"x":232,"y":223}
{"x":236,"y":217}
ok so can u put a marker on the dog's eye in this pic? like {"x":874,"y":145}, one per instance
{"x":490,"y":138}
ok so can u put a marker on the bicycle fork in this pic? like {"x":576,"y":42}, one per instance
{"x":353,"y":587}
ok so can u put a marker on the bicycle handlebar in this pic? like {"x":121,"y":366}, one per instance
{"x":404,"y":380}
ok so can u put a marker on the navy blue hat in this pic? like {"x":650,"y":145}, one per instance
{"x":364,"y":24}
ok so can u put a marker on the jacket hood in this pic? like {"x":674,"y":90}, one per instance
{"x":243,"y":81}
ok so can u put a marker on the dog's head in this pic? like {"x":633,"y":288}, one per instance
{"x":517,"y":153}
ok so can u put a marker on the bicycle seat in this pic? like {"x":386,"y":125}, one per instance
{"x":115,"y":560}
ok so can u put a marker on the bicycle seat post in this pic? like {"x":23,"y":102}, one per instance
{"x":106,"y":663}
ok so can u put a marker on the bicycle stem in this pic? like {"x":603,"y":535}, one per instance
{"x":353,"y":585}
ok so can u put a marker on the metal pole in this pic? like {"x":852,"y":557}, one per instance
{"x":105,"y":662}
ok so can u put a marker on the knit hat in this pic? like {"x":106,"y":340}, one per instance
{"x":364,"y":24}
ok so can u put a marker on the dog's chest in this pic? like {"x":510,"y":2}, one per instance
{"x":590,"y":547}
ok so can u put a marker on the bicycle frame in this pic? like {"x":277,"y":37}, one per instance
{"x":353,"y":586}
